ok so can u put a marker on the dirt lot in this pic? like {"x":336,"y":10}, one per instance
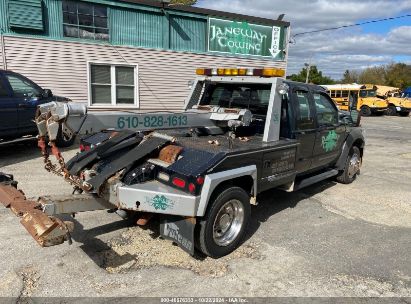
{"x":327,"y":240}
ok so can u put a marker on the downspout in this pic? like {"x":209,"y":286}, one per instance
{"x":3,"y":50}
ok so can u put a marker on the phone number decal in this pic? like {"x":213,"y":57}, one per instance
{"x":134,"y":122}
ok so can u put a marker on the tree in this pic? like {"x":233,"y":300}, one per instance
{"x":373,"y":75}
{"x":184,"y":2}
{"x":350,"y":77}
{"x":394,"y":75}
{"x":398,"y":75}
{"x":315,"y":76}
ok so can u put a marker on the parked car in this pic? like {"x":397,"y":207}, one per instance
{"x":19,"y":98}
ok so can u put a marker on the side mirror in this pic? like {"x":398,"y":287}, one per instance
{"x":356,"y":117}
{"x":47,"y":93}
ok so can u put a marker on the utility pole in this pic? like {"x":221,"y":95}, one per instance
{"x":308,"y":68}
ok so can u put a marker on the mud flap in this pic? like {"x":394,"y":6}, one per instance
{"x":46,"y":230}
{"x":179,"y":230}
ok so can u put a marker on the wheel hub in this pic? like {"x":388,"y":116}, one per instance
{"x":354,"y":166}
{"x":228,"y":223}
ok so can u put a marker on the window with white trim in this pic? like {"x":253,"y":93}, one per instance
{"x":113,"y":85}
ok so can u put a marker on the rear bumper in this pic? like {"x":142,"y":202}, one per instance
{"x":156,"y":197}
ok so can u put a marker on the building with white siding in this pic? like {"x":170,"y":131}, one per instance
{"x":134,"y":54}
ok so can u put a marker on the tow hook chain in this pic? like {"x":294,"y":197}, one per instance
{"x":62,"y":169}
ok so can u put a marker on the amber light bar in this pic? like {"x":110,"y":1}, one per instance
{"x":265,"y":72}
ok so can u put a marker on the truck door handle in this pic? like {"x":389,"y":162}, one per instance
{"x":23,"y":105}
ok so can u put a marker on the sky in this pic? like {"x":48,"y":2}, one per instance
{"x":353,"y":48}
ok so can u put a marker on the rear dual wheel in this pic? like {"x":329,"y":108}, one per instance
{"x":223,"y":227}
{"x":391,"y":111}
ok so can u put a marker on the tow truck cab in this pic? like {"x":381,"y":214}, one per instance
{"x":243,"y":131}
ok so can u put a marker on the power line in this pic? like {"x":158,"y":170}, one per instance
{"x":351,"y":25}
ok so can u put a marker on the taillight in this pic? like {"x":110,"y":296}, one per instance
{"x":200,"y":180}
{"x":179,"y":182}
{"x":192,"y":188}
{"x":85,"y":148}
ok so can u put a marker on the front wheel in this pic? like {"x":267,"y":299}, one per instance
{"x":65,"y":137}
{"x":365,"y":111}
{"x":351,"y":168}
{"x":404,"y":114}
{"x":223,"y":227}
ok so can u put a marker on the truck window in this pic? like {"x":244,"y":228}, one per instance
{"x":305,"y":118}
{"x":254,"y":97}
{"x":21,"y":87}
{"x":327,"y":114}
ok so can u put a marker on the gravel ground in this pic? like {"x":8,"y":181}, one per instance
{"x":326,"y":240}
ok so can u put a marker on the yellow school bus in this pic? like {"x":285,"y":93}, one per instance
{"x":396,"y":103}
{"x":363,"y":98}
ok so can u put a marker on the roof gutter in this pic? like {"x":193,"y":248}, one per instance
{"x":210,"y":12}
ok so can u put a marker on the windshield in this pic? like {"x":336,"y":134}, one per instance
{"x":254,"y":97}
{"x":368,"y":93}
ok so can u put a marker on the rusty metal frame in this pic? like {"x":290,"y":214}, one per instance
{"x":46,"y":230}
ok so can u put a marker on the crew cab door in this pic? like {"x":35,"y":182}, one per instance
{"x":27,"y":95}
{"x":8,"y":110}
{"x":330,"y":133}
{"x":304,"y":127}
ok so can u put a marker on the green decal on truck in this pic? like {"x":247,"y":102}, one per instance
{"x":330,"y":141}
{"x":160,"y":202}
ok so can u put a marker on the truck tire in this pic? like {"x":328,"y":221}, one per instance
{"x":365,"y":111}
{"x":404,"y":114}
{"x":223,"y":227}
{"x":391,"y":111}
{"x":351,"y":168}
{"x":64,"y":139}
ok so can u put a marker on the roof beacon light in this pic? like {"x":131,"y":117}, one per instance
{"x":250,"y":72}
{"x":242,"y":72}
{"x":265,"y":72}
{"x":273,"y":72}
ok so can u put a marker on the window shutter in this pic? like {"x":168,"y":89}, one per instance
{"x":26,"y":14}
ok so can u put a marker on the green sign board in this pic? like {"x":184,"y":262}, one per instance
{"x":242,"y":38}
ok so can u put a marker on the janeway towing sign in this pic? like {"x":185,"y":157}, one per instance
{"x":242,"y":38}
